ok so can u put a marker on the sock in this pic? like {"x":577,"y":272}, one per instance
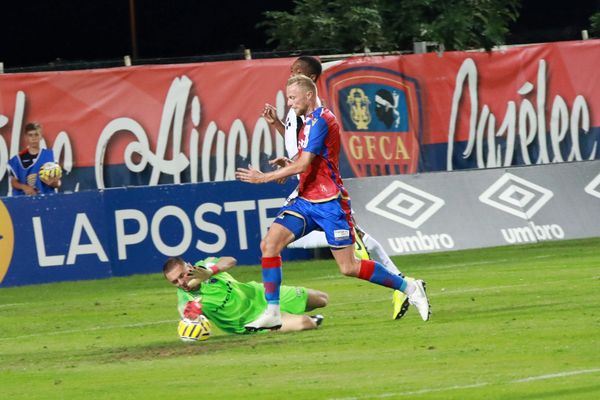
{"x":377,"y":251}
{"x":374,"y":272}
{"x":271,"y":273}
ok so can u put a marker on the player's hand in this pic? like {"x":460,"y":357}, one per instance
{"x":29,"y":190}
{"x":198,"y":275}
{"x":270,"y":114}
{"x":280,"y":162}
{"x":52,"y":182}
{"x":249,"y":175}
{"x":192,"y":310}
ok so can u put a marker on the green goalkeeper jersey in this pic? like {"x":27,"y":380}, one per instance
{"x":230,"y":304}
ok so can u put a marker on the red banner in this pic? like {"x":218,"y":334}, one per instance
{"x":156,"y":117}
{"x":523,"y":105}
{"x":399,"y":114}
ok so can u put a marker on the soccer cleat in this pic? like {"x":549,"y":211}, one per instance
{"x":318,"y":319}
{"x":268,"y":320}
{"x":400,"y":300}
{"x":419,"y":299}
{"x":400,"y":303}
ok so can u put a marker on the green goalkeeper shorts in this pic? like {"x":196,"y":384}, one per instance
{"x":293,"y":299}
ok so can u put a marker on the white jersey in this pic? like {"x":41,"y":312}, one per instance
{"x":291,"y":136}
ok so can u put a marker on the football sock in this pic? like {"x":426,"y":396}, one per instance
{"x":271,"y":273}
{"x":374,"y":272}
{"x":410,"y":287}
{"x":378,"y":253}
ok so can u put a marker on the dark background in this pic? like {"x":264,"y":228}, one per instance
{"x":44,"y":32}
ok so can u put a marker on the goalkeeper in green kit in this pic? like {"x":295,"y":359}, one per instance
{"x":205,"y":288}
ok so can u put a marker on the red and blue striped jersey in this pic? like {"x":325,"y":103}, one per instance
{"x":321,"y":136}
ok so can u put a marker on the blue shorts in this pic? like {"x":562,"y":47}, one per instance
{"x":301,"y":217}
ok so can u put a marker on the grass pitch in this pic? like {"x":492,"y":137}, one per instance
{"x":519,"y":322}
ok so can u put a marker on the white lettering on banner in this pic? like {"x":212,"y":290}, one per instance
{"x":421,"y":242}
{"x":82,"y":224}
{"x":171,"y":127}
{"x":178,"y":213}
{"x":215,"y":229}
{"x":529,"y":122}
{"x":123,"y":239}
{"x":532,"y":233}
{"x":239,"y":207}
{"x":136,"y":235}
{"x":263,"y":206}
{"x":40,"y":246}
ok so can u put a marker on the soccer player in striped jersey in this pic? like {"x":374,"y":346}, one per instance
{"x":322,"y":203}
{"x":366,"y":246}
{"x":230,"y":304}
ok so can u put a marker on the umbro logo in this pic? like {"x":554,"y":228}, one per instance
{"x":516,"y":196}
{"x":593,"y":188}
{"x":405,"y":204}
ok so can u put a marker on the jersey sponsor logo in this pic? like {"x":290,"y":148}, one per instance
{"x":593,"y":188}
{"x":516,"y":196}
{"x":341,"y":234}
{"x":532,"y":233}
{"x":380,"y":119}
{"x":523,"y":199}
{"x":421,"y":242}
{"x":7,"y":240}
{"x":405,"y":204}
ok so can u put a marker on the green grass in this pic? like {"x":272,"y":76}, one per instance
{"x":519,"y":322}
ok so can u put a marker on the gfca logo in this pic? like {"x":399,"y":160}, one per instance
{"x":516,"y":196}
{"x":405,"y":204}
{"x":379,"y":111}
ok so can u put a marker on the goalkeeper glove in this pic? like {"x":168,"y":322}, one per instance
{"x":192,"y":310}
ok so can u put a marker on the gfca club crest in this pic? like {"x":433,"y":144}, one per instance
{"x":380,"y":114}
{"x":359,"y":108}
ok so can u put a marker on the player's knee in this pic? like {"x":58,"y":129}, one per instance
{"x":268,"y":248}
{"x":316,"y":299}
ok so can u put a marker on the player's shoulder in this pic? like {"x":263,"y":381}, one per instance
{"x":323,"y":114}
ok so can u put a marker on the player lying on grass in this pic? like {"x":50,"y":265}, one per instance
{"x":205,"y":288}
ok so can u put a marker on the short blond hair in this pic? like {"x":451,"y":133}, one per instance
{"x":304,"y":82}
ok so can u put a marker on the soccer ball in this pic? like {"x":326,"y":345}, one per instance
{"x":50,"y":170}
{"x":193,"y":331}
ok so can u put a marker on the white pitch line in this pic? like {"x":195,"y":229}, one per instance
{"x":95,"y":328}
{"x":13,"y":304}
{"x":476,"y":385}
{"x":557,"y":375}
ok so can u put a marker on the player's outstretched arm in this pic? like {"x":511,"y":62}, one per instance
{"x":252,"y":175}
{"x":199,"y":274}
{"x":225,"y":264}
